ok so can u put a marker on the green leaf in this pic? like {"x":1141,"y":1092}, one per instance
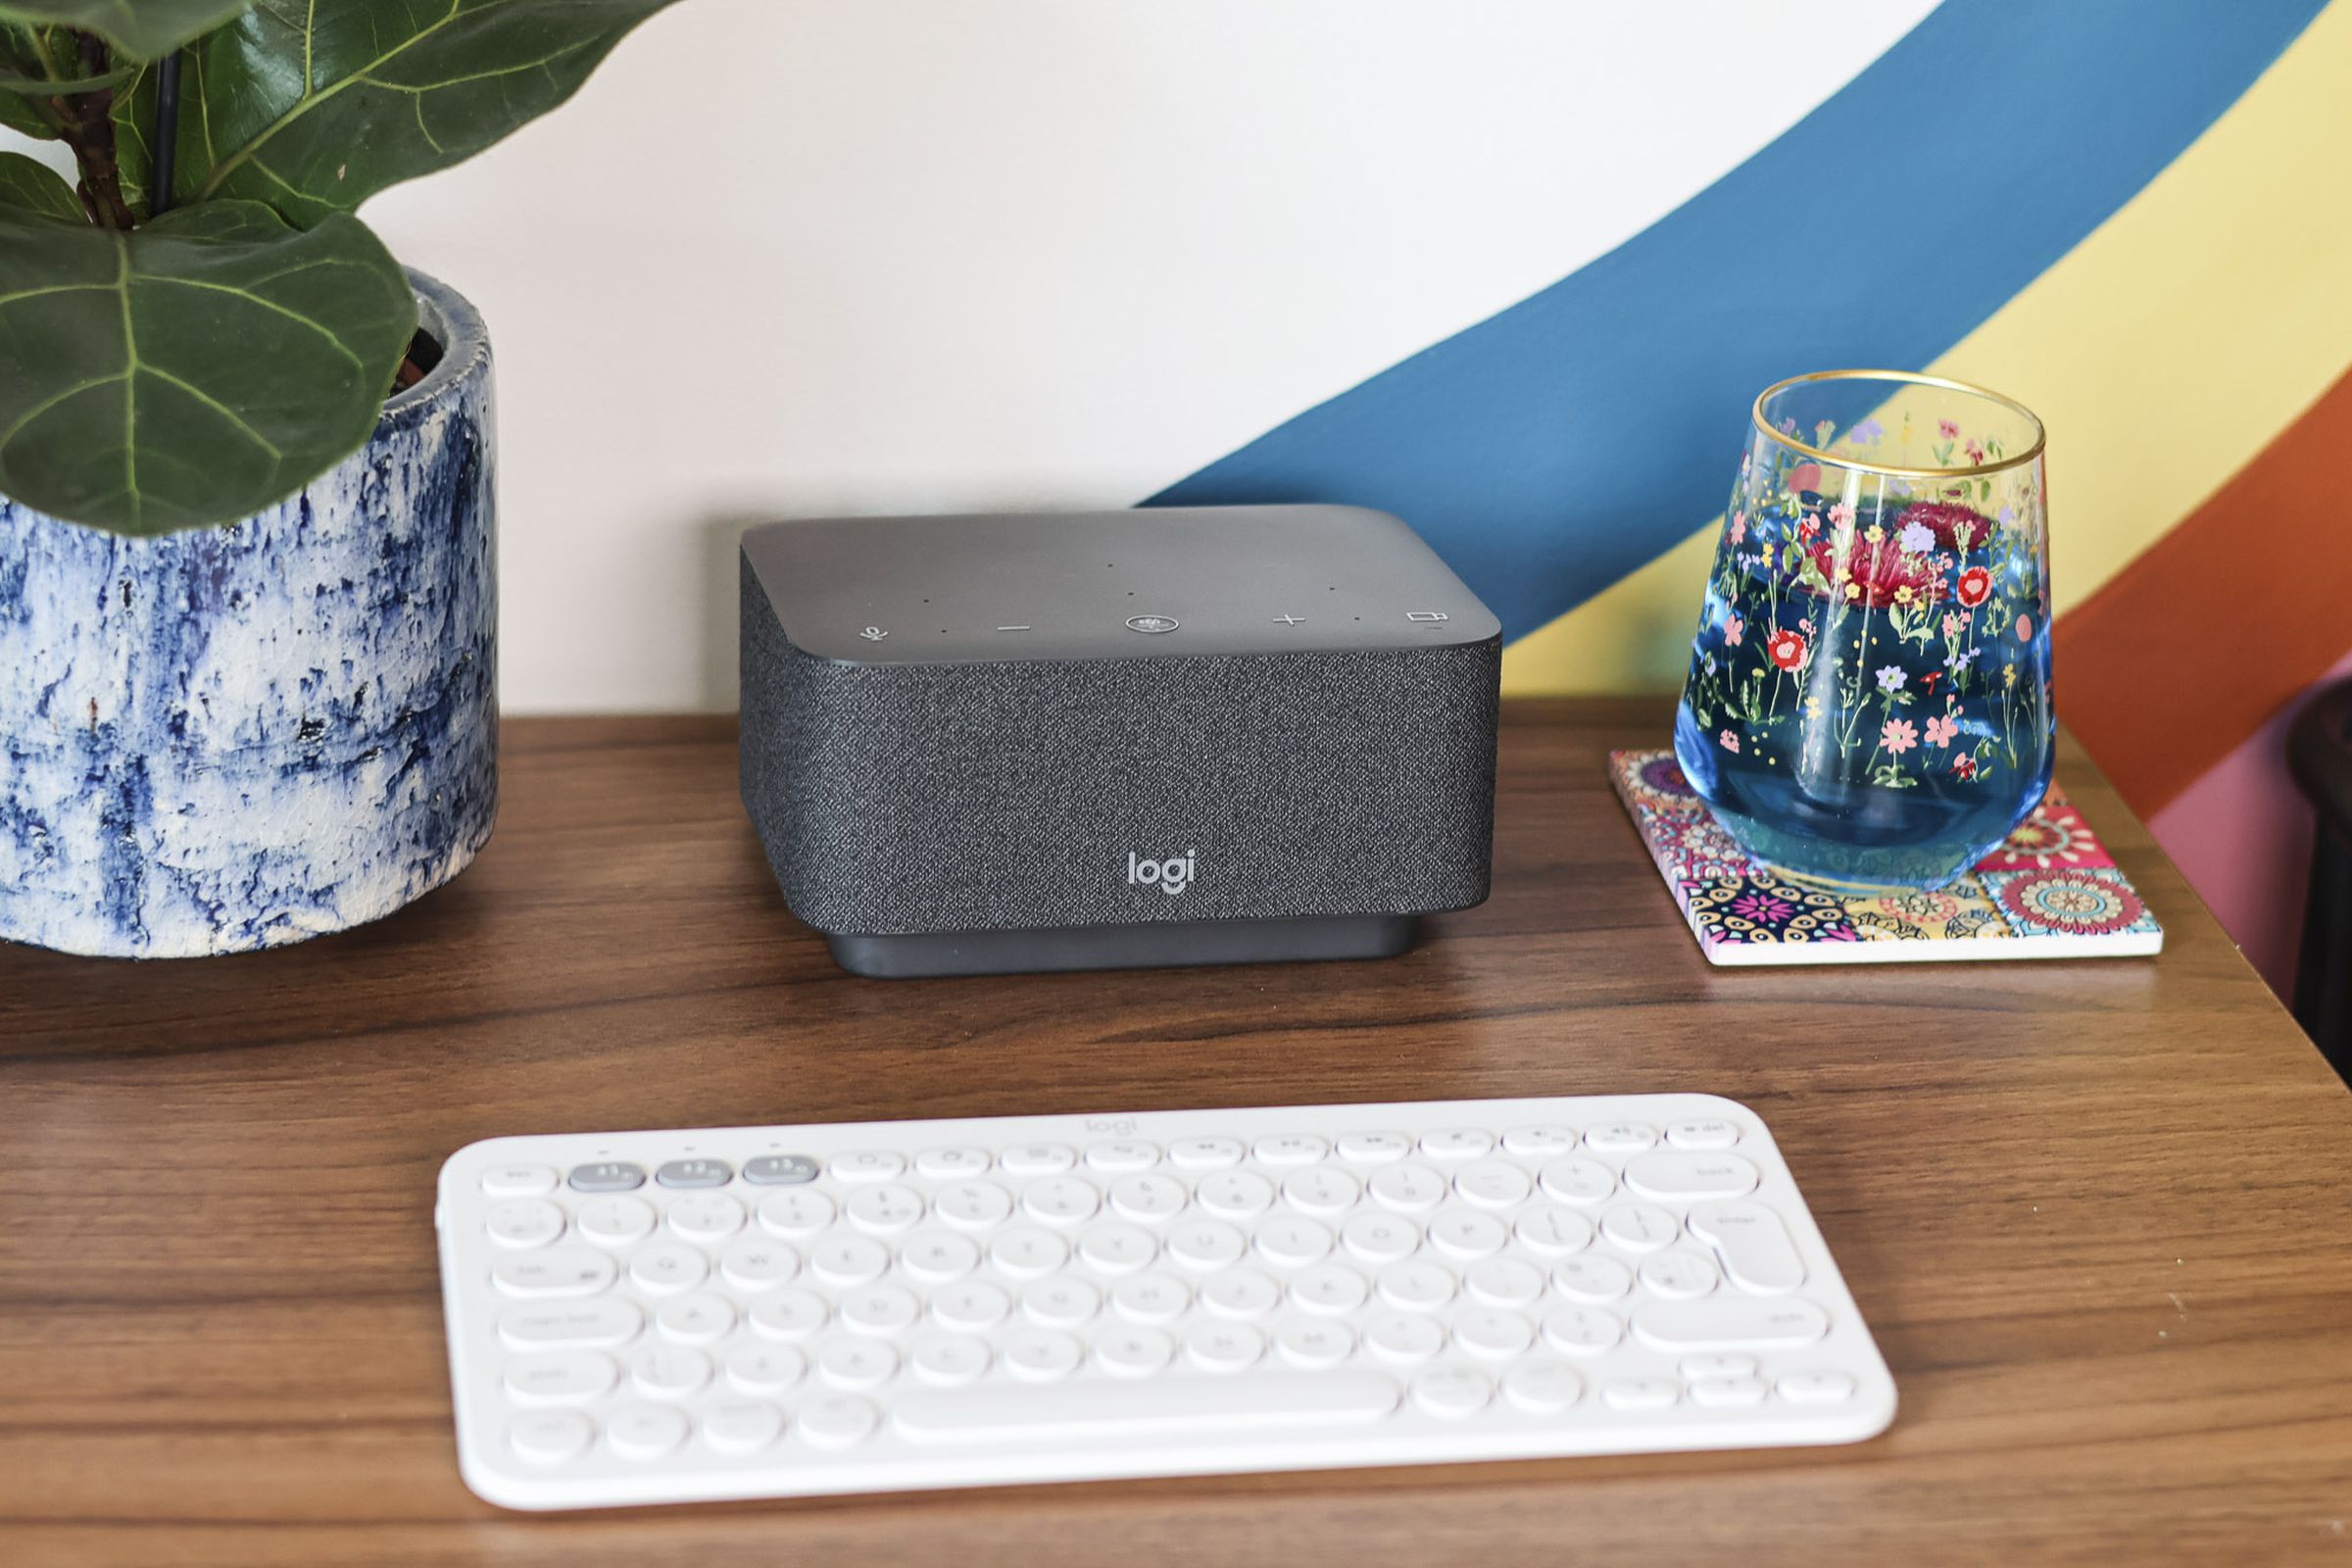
{"x":142,"y":28}
{"x":44,"y":87}
{"x":314,"y":108}
{"x":18,"y":57}
{"x":33,"y":186}
{"x":193,"y":370}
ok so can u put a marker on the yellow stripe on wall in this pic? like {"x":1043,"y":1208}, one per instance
{"x":2162,"y":352}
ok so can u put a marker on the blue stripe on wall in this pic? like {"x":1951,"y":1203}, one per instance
{"x":1555,"y":446}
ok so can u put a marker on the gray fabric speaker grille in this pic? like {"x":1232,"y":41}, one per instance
{"x":896,"y":799}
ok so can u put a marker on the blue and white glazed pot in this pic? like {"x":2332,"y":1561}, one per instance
{"x":236,"y":737}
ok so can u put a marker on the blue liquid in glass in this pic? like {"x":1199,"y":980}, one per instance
{"x":1816,"y":785}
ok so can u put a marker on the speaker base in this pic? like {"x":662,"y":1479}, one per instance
{"x":1150,"y":944}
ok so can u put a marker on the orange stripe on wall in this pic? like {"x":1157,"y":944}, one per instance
{"x":2196,"y":644}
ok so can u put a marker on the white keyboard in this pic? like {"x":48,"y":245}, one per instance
{"x":650,"y":1317}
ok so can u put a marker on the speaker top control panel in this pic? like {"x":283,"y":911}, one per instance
{"x":1151,"y":582}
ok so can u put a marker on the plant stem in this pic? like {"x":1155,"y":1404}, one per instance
{"x":86,"y":125}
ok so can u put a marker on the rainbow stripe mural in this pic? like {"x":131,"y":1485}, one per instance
{"x":2134,"y":216}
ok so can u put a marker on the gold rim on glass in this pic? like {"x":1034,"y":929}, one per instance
{"x":1914,"y":379}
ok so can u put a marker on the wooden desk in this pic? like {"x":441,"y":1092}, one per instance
{"x":2099,"y":1214}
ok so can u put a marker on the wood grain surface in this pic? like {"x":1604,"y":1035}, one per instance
{"x":2099,"y":1214}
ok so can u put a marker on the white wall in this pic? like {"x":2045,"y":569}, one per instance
{"x":782,"y":258}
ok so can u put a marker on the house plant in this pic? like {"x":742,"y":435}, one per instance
{"x":247,"y":601}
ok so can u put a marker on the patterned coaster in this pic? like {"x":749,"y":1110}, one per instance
{"x":2050,"y":891}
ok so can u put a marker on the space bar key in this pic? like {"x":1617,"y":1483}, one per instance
{"x":1170,"y":1407}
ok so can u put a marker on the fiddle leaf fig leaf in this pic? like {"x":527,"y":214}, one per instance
{"x":194,"y":369}
{"x":141,"y":28}
{"x":33,"y":186}
{"x":314,"y":108}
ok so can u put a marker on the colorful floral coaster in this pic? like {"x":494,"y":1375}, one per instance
{"x":2050,"y":891}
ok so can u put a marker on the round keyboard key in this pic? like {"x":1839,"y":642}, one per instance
{"x":615,"y":1221}
{"x":1206,"y":1153}
{"x":971,"y":1307}
{"x":1550,"y":1231}
{"x":1223,"y":1346}
{"x":856,"y":1363}
{"x":644,"y":1430}
{"x":1729,"y":1394}
{"x":1678,"y":1276}
{"x":550,"y":1436}
{"x":1404,"y":1339}
{"x":1507,"y":1282}
{"x":961,"y":1159}
{"x":1721,"y":1364}
{"x":553,"y":1273}
{"x":606,"y":1176}
{"x":1148,"y":1198}
{"x":1040,"y":1355}
{"x":753,"y":1266}
{"x":520,"y":1181}
{"x":879,"y":1310}
{"x":669,"y":1371}
{"x":1417,"y":1285}
{"x":1592,"y":1279}
{"x":1407,"y":1188}
{"x":838,"y":1420}
{"x":796,"y":1213}
{"x":1314,"y":1342}
{"x":1456,"y":1143}
{"x":1380,"y":1237}
{"x":1621,"y":1136}
{"x":1235,"y":1195}
{"x":1060,"y":1303}
{"x":1704,"y":1132}
{"x":701,"y":1318}
{"x":1150,"y":1298}
{"x":1492,"y":1183}
{"x":765,"y":1368}
{"x":1492,"y":1335}
{"x":1288,"y":1241}
{"x":1582,"y":1330}
{"x":1373,"y":1146}
{"x":1061,"y":1200}
{"x":946,"y":1360}
{"x":1115,"y":1247}
{"x":1464,"y":1234}
{"x":521,"y":1223}
{"x":1575,"y":1179}
{"x":934,"y":1257}
{"x":1122,"y":1155}
{"x":1321,"y":1191}
{"x":885,"y":1208}
{"x":780,"y":1170}
{"x":706,"y":1217}
{"x":973,"y":1205}
{"x":1545,"y":1139}
{"x":570,"y":1325}
{"x":1640,"y":1394}
{"x":1542,"y":1387}
{"x":1028,"y":1251}
{"x":693,"y":1173}
{"x":1240,"y":1295}
{"x":1639,"y":1227}
{"x":1815,"y":1388}
{"x":1206,"y":1244}
{"x":566,"y":1378}
{"x":667,"y":1269}
{"x":867,"y":1165}
{"x":742,"y":1425}
{"x":1037,"y":1159}
{"x":1132,"y":1352}
{"x":793,"y":1314}
{"x":1329,"y":1290}
{"x":1289,"y":1149}
{"x":1452,"y":1392}
{"x":842,"y":1262}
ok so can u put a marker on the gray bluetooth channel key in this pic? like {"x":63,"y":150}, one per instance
{"x":780,"y":1170}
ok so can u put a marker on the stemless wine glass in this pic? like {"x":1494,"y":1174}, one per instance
{"x":1868,"y":697}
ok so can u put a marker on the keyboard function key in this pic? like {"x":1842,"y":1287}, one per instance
{"x":780,"y":1170}
{"x":693,"y":1173}
{"x":1206,"y":1153}
{"x":1621,"y":1136}
{"x":550,"y":1436}
{"x":1704,"y":1132}
{"x":1544,"y":1141}
{"x":959,"y":1159}
{"x":1290,"y":1149}
{"x":521,"y":1223}
{"x":1121,"y":1156}
{"x":520,"y":1181}
{"x":867,"y":1165}
{"x":1373,"y":1146}
{"x":1037,"y":1159}
{"x":606,"y":1176}
{"x":1456,"y":1143}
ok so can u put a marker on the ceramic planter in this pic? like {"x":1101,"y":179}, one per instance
{"x":233,"y":738}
